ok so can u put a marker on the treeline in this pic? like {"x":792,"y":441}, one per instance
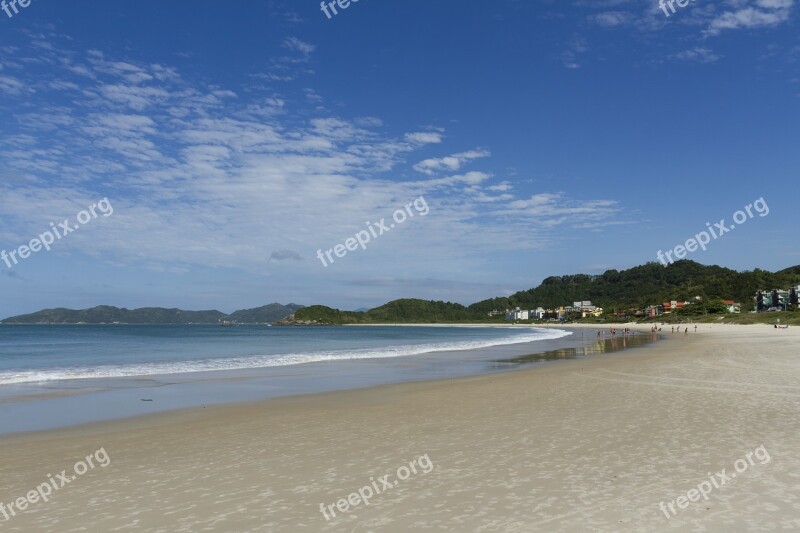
{"x":405,"y":311}
{"x":648,"y":284}
{"x":614,"y":290}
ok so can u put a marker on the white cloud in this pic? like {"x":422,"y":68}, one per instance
{"x":303,"y":48}
{"x":699,"y":54}
{"x":767,"y":13}
{"x":200,"y":176}
{"x":11,"y":85}
{"x":425,"y":137}
{"x":612,"y":19}
{"x":450,"y":163}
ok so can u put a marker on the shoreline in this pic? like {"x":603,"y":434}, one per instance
{"x":518,"y":360}
{"x":39,"y":406}
{"x":190,"y":413}
{"x":595,"y":443}
{"x":523,"y":362}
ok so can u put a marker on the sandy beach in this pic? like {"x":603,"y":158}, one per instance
{"x":585,"y":445}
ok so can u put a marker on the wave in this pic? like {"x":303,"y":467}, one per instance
{"x":264,"y":361}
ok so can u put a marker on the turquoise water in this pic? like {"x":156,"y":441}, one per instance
{"x":58,"y":376}
{"x":39,"y":354}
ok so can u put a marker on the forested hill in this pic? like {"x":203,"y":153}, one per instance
{"x":405,"y":311}
{"x":614,"y":290}
{"x":646,"y":285}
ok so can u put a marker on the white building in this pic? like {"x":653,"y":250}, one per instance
{"x":517,"y":314}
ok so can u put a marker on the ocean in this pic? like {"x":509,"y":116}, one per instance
{"x":64,"y":375}
{"x":38,"y":353}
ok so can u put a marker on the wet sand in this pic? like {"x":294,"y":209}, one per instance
{"x":588,"y":444}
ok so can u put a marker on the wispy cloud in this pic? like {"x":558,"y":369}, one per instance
{"x":571,"y":55}
{"x":450,"y":163}
{"x":758,"y":14}
{"x":303,"y":48}
{"x":699,"y":54}
{"x":203,"y":175}
{"x":425,"y":137}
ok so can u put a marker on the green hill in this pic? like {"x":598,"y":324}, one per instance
{"x":646,"y":285}
{"x":613,"y":290}
{"x":405,"y":311}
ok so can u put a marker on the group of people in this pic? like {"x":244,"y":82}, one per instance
{"x":654,"y":329}
{"x":613,"y":331}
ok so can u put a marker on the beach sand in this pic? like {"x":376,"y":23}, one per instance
{"x":582,"y":445}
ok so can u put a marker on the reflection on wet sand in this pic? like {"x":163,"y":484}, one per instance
{"x":604,"y":345}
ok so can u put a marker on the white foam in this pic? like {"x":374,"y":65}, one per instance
{"x":264,"y":361}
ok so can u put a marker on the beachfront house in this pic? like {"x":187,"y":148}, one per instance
{"x":732,"y":306}
{"x":596,"y":312}
{"x":587,"y":309}
{"x":583,"y":308}
{"x":653,"y":311}
{"x":673,"y":306}
{"x":517,"y":314}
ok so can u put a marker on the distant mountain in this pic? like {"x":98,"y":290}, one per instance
{"x":266,"y":314}
{"x":153,"y":315}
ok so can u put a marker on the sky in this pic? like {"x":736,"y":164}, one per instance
{"x":226,"y":147}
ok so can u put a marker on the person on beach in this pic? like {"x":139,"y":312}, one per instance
{"x":686,"y":331}
{"x":695,"y":328}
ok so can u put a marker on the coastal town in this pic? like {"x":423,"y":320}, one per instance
{"x":764,"y":301}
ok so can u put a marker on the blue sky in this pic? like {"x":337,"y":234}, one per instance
{"x":235,"y":139}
